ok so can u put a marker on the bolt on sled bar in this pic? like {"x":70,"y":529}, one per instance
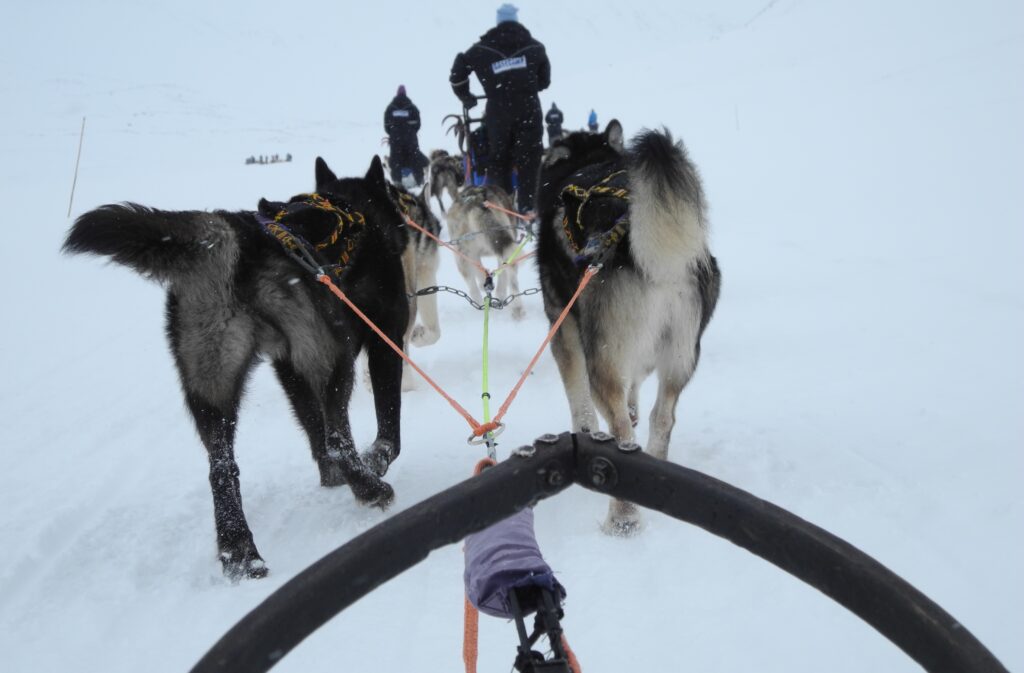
{"x":901,"y":613}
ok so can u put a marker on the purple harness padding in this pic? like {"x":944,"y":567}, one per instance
{"x":504,"y":557}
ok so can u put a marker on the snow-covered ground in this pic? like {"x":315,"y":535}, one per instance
{"x":864,"y":368}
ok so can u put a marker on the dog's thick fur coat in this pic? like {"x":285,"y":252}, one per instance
{"x":234,"y":297}
{"x":647,"y":308}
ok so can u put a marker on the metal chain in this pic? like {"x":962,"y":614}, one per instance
{"x":495,"y":303}
{"x":474,"y":234}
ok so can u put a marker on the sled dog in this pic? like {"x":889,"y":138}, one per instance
{"x":640,"y":212}
{"x":235,"y":295}
{"x":445,"y":176}
{"x":419,"y":261}
{"x":480,"y":231}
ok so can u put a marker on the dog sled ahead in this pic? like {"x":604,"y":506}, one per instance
{"x":904,"y":615}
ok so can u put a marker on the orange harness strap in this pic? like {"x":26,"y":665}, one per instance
{"x":587,"y":275}
{"x":412,"y":223}
{"x":495,"y":206}
{"x":478,"y":430}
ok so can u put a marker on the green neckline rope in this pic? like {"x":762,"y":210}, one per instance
{"x":486,"y":395}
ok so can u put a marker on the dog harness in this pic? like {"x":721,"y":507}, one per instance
{"x":333,"y":252}
{"x":605,"y":203}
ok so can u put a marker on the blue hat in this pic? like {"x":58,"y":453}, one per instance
{"x":508,"y":12}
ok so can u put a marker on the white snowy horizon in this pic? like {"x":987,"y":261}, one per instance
{"x":863,"y":369}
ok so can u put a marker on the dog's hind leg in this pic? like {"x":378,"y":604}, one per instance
{"x":675,"y":363}
{"x":236,"y":548}
{"x":674,"y":372}
{"x":309,"y":412}
{"x":214,"y":357}
{"x":663,"y":415}
{"x":511,"y":273}
{"x":568,"y":354}
{"x":473,"y":276}
{"x":633,"y":403}
{"x":366,"y":486}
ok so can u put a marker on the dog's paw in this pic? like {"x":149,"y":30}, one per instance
{"x":623,"y":520}
{"x":380,"y":456}
{"x":622,"y":527}
{"x":374,"y":492}
{"x":421,"y":336}
{"x":243,"y":564}
{"x":518,"y":312}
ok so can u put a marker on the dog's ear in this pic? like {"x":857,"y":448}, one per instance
{"x":324,"y":175}
{"x":375,"y":174}
{"x":269,"y":208}
{"x":613,"y":135}
{"x":555,"y":154}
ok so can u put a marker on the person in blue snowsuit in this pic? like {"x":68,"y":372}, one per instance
{"x":592,"y":122}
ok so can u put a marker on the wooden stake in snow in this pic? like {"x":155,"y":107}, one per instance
{"x":81,"y":135}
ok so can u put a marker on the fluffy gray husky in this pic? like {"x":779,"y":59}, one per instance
{"x":235,"y":296}
{"x":481,"y":231}
{"x":640,"y":212}
{"x":446,"y":176}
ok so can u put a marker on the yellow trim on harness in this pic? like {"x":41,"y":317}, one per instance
{"x":346,"y":220}
{"x":584,"y":195}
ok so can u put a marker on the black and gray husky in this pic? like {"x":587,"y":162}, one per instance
{"x":641,"y":214}
{"x":236,"y":294}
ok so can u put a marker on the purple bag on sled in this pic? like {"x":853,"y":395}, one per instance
{"x":506,"y":557}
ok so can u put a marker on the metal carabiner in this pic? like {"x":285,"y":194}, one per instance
{"x":475,"y":440}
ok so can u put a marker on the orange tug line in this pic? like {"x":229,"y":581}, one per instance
{"x":478,"y":429}
{"x":495,"y":206}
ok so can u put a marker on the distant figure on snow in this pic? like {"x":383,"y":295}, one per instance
{"x":402,"y":124}
{"x":512,"y":67}
{"x":592,"y":122}
{"x":554,"y":121}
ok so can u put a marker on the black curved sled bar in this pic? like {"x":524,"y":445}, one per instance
{"x":897,"y":610}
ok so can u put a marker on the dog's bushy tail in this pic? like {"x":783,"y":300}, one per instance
{"x":668,"y":213}
{"x":163,"y":245}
